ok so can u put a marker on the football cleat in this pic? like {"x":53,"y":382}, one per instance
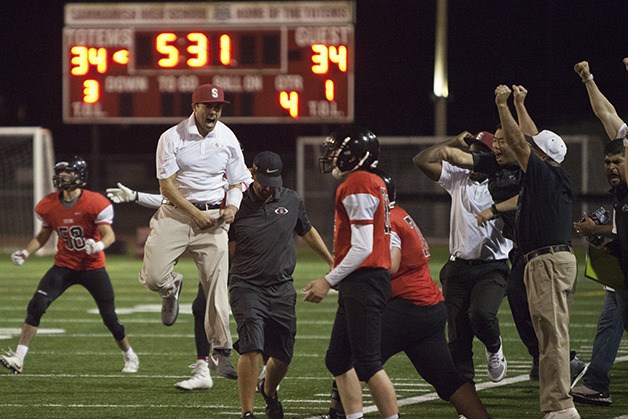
{"x":11,"y":361}
{"x":201,"y":379}
{"x":131,"y":364}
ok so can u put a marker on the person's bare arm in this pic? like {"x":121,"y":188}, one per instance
{"x":170,"y":191}
{"x":512,"y":132}
{"x":429,"y":161}
{"x":527,"y":125}
{"x":602,"y":108}
{"x":313,"y":239}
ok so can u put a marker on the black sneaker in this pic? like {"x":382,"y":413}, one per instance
{"x":577,"y":368}
{"x":274,"y":409}
{"x":248,"y":415}
{"x":583,"y":394}
{"x":333,"y":414}
{"x":220,"y":363}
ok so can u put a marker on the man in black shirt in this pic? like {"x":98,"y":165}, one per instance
{"x":262,"y":295}
{"x":543,"y":233}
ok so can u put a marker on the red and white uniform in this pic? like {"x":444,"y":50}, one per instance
{"x":413,"y":281}
{"x":74,"y":225}
{"x":362,"y":199}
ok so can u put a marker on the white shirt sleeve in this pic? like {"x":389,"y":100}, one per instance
{"x":622,"y":131}
{"x":361,"y":248}
{"x":105,"y":216}
{"x":149,"y":200}
{"x":395,"y":240}
{"x":166,"y":156}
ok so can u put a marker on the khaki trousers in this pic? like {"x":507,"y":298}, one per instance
{"x":173,"y":232}
{"x":550,"y":281}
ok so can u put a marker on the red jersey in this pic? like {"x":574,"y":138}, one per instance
{"x":412,"y":281}
{"x":362,"y":199}
{"x":74,"y":225}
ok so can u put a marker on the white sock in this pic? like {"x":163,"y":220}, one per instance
{"x":129,"y":353}
{"x":395,"y":416}
{"x":21,"y":351}
{"x":358,"y":415}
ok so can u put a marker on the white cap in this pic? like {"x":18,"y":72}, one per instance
{"x":551,"y":144}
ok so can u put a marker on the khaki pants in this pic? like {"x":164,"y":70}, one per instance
{"x":550,"y":281}
{"x":173,"y":232}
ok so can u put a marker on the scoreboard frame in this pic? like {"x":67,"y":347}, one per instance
{"x":278,"y":62}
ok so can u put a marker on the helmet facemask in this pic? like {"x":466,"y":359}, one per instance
{"x":78,"y":170}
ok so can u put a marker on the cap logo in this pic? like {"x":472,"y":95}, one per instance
{"x":281,"y":211}
{"x":272,"y":171}
{"x":215,"y":93}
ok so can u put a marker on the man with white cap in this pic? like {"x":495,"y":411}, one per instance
{"x":543,"y":233}
{"x":200,"y":168}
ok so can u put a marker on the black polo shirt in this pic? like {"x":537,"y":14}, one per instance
{"x":504,"y":182}
{"x":264,"y":238}
{"x":544,"y":213}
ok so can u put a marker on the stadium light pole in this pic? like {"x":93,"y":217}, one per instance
{"x":441,"y":89}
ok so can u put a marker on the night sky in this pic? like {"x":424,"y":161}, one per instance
{"x":533,"y":43}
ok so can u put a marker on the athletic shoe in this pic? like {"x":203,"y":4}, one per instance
{"x":274,"y":409}
{"x":577,"y":369}
{"x":570,"y":413}
{"x":220,"y":363}
{"x":11,"y":361}
{"x":201,"y":380}
{"x":534,"y":371}
{"x":248,"y":415}
{"x":170,"y":304}
{"x":583,"y":394}
{"x":131,"y":364}
{"x":496,"y":364}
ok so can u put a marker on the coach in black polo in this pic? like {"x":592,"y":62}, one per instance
{"x":543,"y":234}
{"x":262,"y":295}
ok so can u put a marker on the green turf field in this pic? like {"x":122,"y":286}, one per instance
{"x":73,"y":367}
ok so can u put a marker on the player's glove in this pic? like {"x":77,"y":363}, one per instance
{"x":92,"y":246}
{"x":19,"y":256}
{"x":121,"y":194}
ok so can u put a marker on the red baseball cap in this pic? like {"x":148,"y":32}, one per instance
{"x":484,"y":138}
{"x":209,"y":93}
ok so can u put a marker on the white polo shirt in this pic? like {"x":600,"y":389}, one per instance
{"x":205,"y":166}
{"x":466,"y":239}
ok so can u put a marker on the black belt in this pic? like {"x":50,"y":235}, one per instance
{"x":205,"y":207}
{"x":474,"y":262}
{"x":549,"y":249}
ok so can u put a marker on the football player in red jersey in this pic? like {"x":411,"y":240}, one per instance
{"x":82,"y":220}
{"x":414,"y":318}
{"x":360,"y":273}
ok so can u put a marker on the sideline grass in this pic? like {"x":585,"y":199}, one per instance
{"x":73,"y":367}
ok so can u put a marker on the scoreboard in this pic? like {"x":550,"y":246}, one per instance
{"x":278,"y":62}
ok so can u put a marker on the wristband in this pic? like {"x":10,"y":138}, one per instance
{"x":234,"y":197}
{"x":625,"y":141}
{"x":494,"y":210}
{"x":100,"y":246}
{"x":25,"y":253}
{"x":587,"y":78}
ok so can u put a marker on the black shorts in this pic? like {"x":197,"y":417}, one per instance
{"x":266,"y":319}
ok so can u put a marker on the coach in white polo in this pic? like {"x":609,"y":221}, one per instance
{"x":200,"y":168}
